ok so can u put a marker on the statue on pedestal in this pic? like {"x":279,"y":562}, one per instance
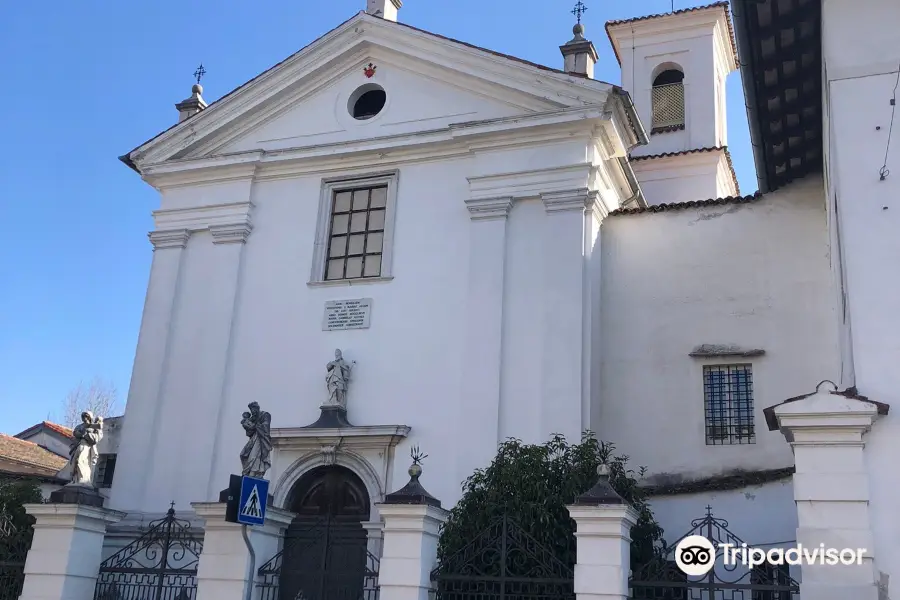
{"x":336,"y":381}
{"x":83,"y":455}
{"x":255,"y":457}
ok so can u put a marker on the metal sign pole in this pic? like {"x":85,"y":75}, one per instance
{"x":249,"y":594}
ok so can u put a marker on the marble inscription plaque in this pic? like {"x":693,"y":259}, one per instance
{"x":347,"y":314}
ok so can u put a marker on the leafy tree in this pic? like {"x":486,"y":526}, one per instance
{"x":15,"y":524}
{"x":532,"y":484}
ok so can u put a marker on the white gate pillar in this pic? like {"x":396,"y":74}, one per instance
{"x":831,"y":487}
{"x":223,"y":572}
{"x":603,"y":522}
{"x":412,"y":522}
{"x":66,"y":549}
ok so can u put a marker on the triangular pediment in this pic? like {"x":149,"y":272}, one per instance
{"x":430,"y":83}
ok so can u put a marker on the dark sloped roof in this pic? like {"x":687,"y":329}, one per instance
{"x":734,"y":178}
{"x":29,"y":453}
{"x":780,"y":45}
{"x":686,"y":205}
{"x":722,"y":5}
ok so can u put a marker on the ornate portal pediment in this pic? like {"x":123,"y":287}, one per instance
{"x":367,"y":450}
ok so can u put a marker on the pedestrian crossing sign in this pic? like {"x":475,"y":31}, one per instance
{"x":252,"y":505}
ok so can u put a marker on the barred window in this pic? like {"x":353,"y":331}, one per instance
{"x":106,"y":468}
{"x":356,"y":233}
{"x":728,"y":396}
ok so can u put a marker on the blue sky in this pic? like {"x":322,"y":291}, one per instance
{"x":87,"y":81}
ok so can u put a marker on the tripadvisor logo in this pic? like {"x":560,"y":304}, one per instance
{"x":695,"y":555}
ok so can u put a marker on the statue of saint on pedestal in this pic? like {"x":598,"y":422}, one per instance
{"x":83,"y":455}
{"x":336,"y":380}
{"x":255,"y":455}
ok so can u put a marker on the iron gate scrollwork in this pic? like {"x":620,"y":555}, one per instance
{"x":661,"y":579}
{"x":16,"y":530}
{"x":15,"y":540}
{"x":503,"y":562}
{"x":327,"y":561}
{"x":159,"y":565}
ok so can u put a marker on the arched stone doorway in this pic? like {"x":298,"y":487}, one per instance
{"x":325,"y":555}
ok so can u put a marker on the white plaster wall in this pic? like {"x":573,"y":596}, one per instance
{"x":683,"y":178}
{"x":761,"y":515}
{"x":211,"y":359}
{"x":861,"y":60}
{"x":414,"y":103}
{"x":755,"y":275}
{"x":694,"y":51}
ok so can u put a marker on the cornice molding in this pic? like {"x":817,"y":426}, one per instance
{"x":169,"y":238}
{"x":232,"y":233}
{"x":232,"y":214}
{"x":366,"y":33}
{"x":485,"y":209}
{"x":385,"y":151}
{"x":570,"y":200}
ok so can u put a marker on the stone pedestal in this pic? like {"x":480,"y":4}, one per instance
{"x":65,"y":553}
{"x":409,"y":553}
{"x":412,"y":522}
{"x":224,"y":569}
{"x":603,"y":543}
{"x":831,"y":487}
{"x":374,"y":537}
{"x":603,"y":523}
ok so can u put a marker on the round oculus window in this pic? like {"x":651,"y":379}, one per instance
{"x":367,"y":101}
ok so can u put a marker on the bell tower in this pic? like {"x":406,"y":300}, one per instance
{"x":674,"y":66}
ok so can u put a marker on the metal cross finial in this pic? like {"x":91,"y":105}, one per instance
{"x":708,"y":510}
{"x":200,"y":72}
{"x":172,"y":505}
{"x":579,"y":10}
{"x":417,"y":456}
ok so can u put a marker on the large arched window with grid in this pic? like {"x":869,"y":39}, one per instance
{"x":668,"y":97}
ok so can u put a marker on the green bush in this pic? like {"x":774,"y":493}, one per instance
{"x":532,"y":484}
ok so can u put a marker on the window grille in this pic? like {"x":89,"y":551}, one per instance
{"x":356,"y":235}
{"x":106,"y":468}
{"x":728,"y":396}
{"x":668,"y":105}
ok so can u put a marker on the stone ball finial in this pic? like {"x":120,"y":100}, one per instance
{"x":197,"y":89}
{"x":578,"y":30}
{"x":603,"y":470}
{"x":415,"y":470}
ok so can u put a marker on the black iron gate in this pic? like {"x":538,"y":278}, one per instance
{"x":16,"y":530}
{"x":661,"y":579}
{"x":15,"y":540}
{"x":503,"y":562}
{"x":160,"y":565}
{"x":328,"y":560}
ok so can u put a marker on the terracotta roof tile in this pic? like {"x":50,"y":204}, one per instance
{"x":734,"y":178}
{"x":685,"y":205}
{"x":58,"y":428}
{"x":29,"y":453}
{"x":723,"y":5}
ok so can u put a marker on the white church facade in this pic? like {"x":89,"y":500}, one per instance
{"x":502,"y":249}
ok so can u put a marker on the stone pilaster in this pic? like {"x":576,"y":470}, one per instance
{"x":412,"y":522}
{"x":480,"y":399}
{"x":565,"y":392}
{"x":603,"y":523}
{"x":150,"y":366}
{"x":66,"y":550}
{"x":224,"y":570}
{"x":831,"y":487}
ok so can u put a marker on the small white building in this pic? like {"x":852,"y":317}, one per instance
{"x":520,"y":251}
